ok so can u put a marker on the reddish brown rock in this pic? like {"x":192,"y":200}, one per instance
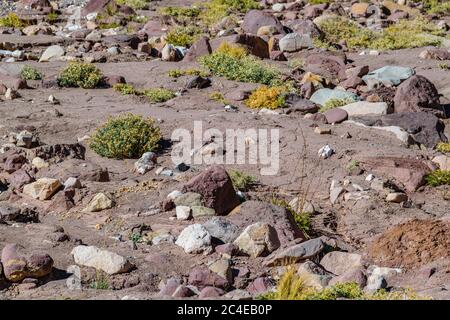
{"x":200,"y":48}
{"x":216,"y":189}
{"x":203,"y":277}
{"x":255,"y":19}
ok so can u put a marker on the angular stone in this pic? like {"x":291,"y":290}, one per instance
{"x":338,"y":262}
{"x":361,"y":108}
{"x":200,"y":211}
{"x":98,"y":203}
{"x":107,"y":261}
{"x":293,"y":42}
{"x":42,"y":189}
{"x":255,"y":19}
{"x":258,"y":239}
{"x":194,"y":239}
{"x":221,"y":229}
{"x":183,"y":212}
{"x":336,"y":115}
{"x":296,"y":253}
{"x":322,"y":96}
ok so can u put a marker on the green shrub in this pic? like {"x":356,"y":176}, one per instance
{"x":292,"y":286}
{"x":183,"y":36}
{"x":180,"y":12}
{"x":443,"y":147}
{"x":125,"y":88}
{"x":217,"y":96}
{"x":438,"y":178}
{"x":111,"y":25}
{"x":265,"y":97}
{"x":30,"y":73}
{"x":215,"y":10}
{"x":126,"y":137}
{"x":244,"y":68}
{"x":403,"y":34}
{"x":157,"y":95}
{"x":241,"y":180}
{"x":52,"y":17}
{"x":135,"y":4}
{"x":188,"y":72}
{"x":335,"y":103}
{"x":101,"y":281}
{"x":12,"y":20}
{"x":84,"y":75}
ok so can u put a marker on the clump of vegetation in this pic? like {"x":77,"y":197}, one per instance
{"x":30,"y":73}
{"x":135,"y":4}
{"x":188,"y":72}
{"x":403,"y":34}
{"x":302,"y":219}
{"x":215,"y":10}
{"x":265,"y":97}
{"x":125,"y":89}
{"x":12,"y":20}
{"x":352,"y":165}
{"x":217,"y":96}
{"x":335,"y":103}
{"x":126,"y":136}
{"x":319,"y":1}
{"x":52,"y":17}
{"x":444,"y":66}
{"x":439,"y":7}
{"x":241,"y":180}
{"x":101,"y":281}
{"x":291,"y":286}
{"x":438,"y":178}
{"x":158,"y":95}
{"x":111,"y":25}
{"x":443,"y":147}
{"x":180,"y":12}
{"x":183,"y":36}
{"x":233,"y":63}
{"x":84,"y":75}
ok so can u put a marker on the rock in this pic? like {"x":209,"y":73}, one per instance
{"x":362,"y":108}
{"x":183,"y":292}
{"x":352,"y":275}
{"x":200,"y":48}
{"x":60,"y":151}
{"x":328,"y":65}
{"x":98,"y":6}
{"x":98,"y":203}
{"x":267,"y":31}
{"x":376,"y":282}
{"x":322,"y":130}
{"x":396,"y":197}
{"x":19,"y":178}
{"x":223,"y":268}
{"x":255,"y":19}
{"x":52,"y":53}
{"x":170,"y":287}
{"x":26,"y":139}
{"x":145,"y":163}
{"x":437,"y":54}
{"x":183,"y":212}
{"x":300,"y":205}
{"x":16,"y":268}
{"x":258,"y":239}
{"x":298,"y":104}
{"x":188,"y":199}
{"x":203,"y":277}
{"x":107,"y":261}
{"x":200,"y":211}
{"x":39,"y":163}
{"x":338,"y":262}
{"x":198,"y":82}
{"x":389,"y":75}
{"x":306,"y":27}
{"x":442,"y":161}
{"x":42,"y":189}
{"x":260,"y":285}
{"x":293,"y":42}
{"x":314,"y":275}
{"x":359,"y":9}
{"x":251,"y":212}
{"x":73,"y":183}
{"x":325,"y":152}
{"x":296,"y":253}
{"x":221,"y":230}
{"x":336,"y":115}
{"x":238,"y":294}
{"x":417,"y":94}
{"x":408,"y":171}
{"x":10,"y":213}
{"x":12,"y":82}
{"x":194,"y":239}
{"x":216,"y":189}
{"x":321,"y":96}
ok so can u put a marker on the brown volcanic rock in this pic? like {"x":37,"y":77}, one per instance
{"x":216,"y":189}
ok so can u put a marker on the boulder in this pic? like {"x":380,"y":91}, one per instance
{"x":417,"y":94}
{"x":322,"y":96}
{"x":194,"y":239}
{"x":216,"y":189}
{"x":255,"y":19}
{"x":200,"y":48}
{"x":42,"y":189}
{"x":336,"y":115}
{"x":221,"y":230}
{"x":52,"y":53}
{"x":338,"y":262}
{"x":389,"y":75}
{"x":255,"y":45}
{"x":293,"y":42}
{"x":98,"y":203}
{"x":251,"y":212}
{"x":296,"y":253}
{"x":361,"y":108}
{"x":203,"y":277}
{"x":107,"y":261}
{"x":258,"y":239}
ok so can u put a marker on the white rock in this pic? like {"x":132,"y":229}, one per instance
{"x":443,"y":162}
{"x":107,"y":261}
{"x":361,"y":108}
{"x":174,"y":194}
{"x":325,"y":152}
{"x":294,"y":42}
{"x":72,"y":182}
{"x":258,"y":239}
{"x":52,"y":53}
{"x":98,"y":203}
{"x":194,"y":239}
{"x":183,"y":212}
{"x":145,"y":163}
{"x":42,"y":189}
{"x":39,"y":163}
